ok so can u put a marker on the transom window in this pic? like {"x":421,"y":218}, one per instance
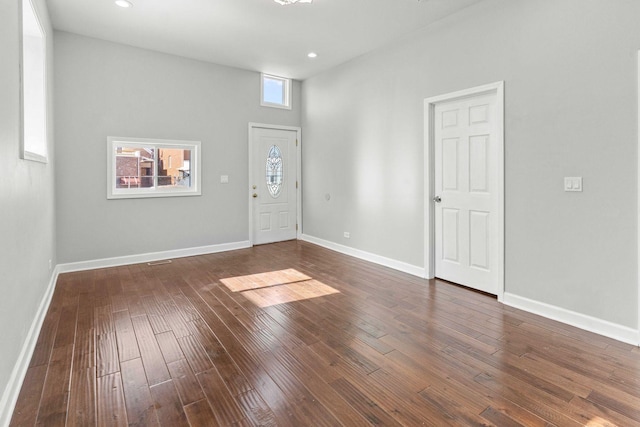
{"x":275,"y":91}
{"x":152,"y":168}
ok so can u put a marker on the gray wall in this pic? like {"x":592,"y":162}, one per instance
{"x":107,"y":89}
{"x":27,"y":222}
{"x":569,"y":68}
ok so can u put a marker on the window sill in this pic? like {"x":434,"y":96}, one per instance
{"x":28,"y":155}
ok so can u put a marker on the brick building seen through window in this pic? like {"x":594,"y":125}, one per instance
{"x":135,"y":167}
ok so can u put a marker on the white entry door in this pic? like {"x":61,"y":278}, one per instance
{"x":273,"y":192}
{"x":467,"y":192}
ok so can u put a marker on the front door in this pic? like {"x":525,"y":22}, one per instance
{"x":467,"y":192}
{"x":274,"y":186}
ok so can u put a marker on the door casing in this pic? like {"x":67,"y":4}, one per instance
{"x":429,"y":161}
{"x":298,"y":131}
{"x":638,"y":213}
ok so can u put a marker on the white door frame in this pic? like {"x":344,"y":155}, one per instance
{"x":429,"y":179}
{"x":638,"y":212}
{"x":298,"y":132}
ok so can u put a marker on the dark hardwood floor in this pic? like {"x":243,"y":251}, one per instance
{"x":323,"y":340}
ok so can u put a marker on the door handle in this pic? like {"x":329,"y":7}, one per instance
{"x":437,"y":199}
{"x":255,"y":195}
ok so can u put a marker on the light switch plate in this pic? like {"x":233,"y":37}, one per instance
{"x":224,"y":179}
{"x":572,"y":183}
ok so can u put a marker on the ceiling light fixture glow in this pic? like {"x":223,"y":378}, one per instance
{"x":312,"y":55}
{"x":124,"y":3}
{"x":286,"y":2}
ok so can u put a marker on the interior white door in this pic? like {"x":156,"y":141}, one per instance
{"x":466,"y":192}
{"x":274,"y":187}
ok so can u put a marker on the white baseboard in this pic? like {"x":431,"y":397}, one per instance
{"x":152,"y":256}
{"x":582,"y":321}
{"x":12,"y":390}
{"x":367,"y":256}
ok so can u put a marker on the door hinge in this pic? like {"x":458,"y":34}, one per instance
{"x":296,"y":227}
{"x":296,"y":184}
{"x":296,"y":142}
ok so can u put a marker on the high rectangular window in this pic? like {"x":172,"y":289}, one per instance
{"x":140,"y":167}
{"x":33,"y":86}
{"x":275,"y":91}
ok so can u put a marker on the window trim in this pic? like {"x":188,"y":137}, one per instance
{"x":286,"y":88}
{"x":139,"y":193}
{"x":26,"y":154}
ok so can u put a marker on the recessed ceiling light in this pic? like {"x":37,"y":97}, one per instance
{"x":124,"y":3}
{"x":312,"y":55}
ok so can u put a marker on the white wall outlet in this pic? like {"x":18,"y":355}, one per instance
{"x":224,"y":179}
{"x":347,"y":235}
{"x":50,"y":265}
{"x":572,"y":183}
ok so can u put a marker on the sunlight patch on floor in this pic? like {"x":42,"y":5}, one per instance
{"x":598,"y":422}
{"x":263,"y":280}
{"x":278,"y":287}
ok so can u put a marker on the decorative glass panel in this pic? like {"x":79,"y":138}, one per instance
{"x":275,"y":171}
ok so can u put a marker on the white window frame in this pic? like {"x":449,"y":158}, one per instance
{"x":156,"y":191}
{"x":286,"y":88}
{"x":33,"y":107}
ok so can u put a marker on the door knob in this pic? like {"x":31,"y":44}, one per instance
{"x":437,"y":199}
{"x":255,"y":195}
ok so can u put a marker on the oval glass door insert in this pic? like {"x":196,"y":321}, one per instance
{"x":275,"y":171}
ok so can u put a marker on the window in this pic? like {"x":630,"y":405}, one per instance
{"x":152,"y":168}
{"x":275,"y":91}
{"x":33,"y":86}
{"x":274,"y":169}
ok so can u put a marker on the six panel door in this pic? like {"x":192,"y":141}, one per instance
{"x":466,"y":184}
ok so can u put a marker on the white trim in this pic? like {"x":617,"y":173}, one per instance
{"x":579,"y":320}
{"x":298,"y":131}
{"x":429,"y":179}
{"x":152,"y":256}
{"x":34,"y":157}
{"x":195,"y":188}
{"x":367,"y":256}
{"x":12,"y":389}
{"x":638,"y":209}
{"x":25,"y":154}
{"x":429,"y":108}
{"x":287,"y":89}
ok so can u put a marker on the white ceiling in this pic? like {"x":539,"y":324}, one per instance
{"x":258,"y":35}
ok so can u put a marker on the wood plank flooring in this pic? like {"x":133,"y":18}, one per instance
{"x":355,"y":344}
